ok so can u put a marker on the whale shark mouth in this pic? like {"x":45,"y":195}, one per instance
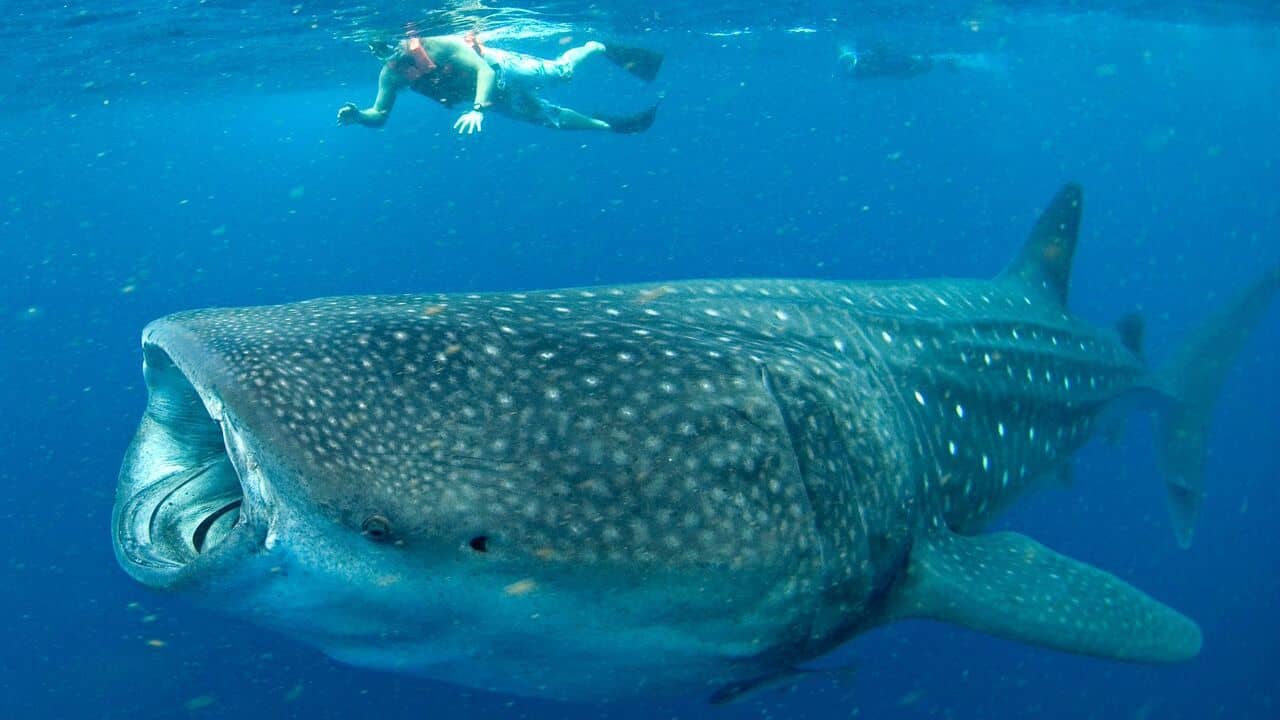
{"x":180,"y":495}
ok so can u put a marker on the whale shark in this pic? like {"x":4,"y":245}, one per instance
{"x":683,"y":488}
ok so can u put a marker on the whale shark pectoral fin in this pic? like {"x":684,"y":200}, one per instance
{"x":1045,"y":260}
{"x":1131,"y":329}
{"x":1009,"y":585}
{"x":742,"y":690}
{"x":783,"y":680}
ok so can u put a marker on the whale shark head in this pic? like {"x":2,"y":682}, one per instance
{"x":519,"y":493}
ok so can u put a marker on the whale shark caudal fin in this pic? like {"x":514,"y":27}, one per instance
{"x":1192,"y":380}
{"x":1045,"y":260}
{"x":1009,"y":585}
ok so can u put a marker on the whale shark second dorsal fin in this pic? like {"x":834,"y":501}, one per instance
{"x":1045,"y":260}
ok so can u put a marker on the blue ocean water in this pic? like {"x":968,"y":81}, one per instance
{"x":166,"y":156}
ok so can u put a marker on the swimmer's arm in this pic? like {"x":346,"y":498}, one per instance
{"x":388,"y":85}
{"x":466,"y":56}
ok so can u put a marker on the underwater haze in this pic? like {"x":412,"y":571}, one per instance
{"x":158,"y":157}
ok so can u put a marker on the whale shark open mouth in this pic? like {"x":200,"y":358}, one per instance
{"x":180,"y":495}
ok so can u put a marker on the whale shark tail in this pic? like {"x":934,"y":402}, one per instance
{"x":1009,"y":585}
{"x":1189,"y":382}
{"x":1192,"y":379}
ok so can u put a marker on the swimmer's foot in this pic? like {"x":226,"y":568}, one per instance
{"x":642,"y":63}
{"x":631,"y":124}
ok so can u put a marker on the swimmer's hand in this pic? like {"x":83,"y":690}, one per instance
{"x":469,"y":123}
{"x":349,"y":114}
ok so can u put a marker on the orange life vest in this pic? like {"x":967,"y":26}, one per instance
{"x":441,"y":82}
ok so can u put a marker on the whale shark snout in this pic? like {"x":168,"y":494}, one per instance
{"x":180,"y":495}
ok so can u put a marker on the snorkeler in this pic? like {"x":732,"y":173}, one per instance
{"x":459,"y":69}
{"x":881,"y":62}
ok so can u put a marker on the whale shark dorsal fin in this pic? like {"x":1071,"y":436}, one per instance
{"x":1009,"y":585}
{"x":1045,"y":260}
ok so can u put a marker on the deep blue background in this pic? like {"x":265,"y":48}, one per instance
{"x":120,"y":205}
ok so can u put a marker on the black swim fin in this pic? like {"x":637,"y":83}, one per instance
{"x":642,"y":63}
{"x":631,"y":124}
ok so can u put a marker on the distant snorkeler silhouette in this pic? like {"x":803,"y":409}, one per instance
{"x":454,"y":69}
{"x":881,"y":61}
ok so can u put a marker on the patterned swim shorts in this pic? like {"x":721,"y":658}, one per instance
{"x":519,"y":78}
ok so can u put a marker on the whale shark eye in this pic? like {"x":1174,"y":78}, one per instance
{"x":376,"y":528}
{"x":479,"y":543}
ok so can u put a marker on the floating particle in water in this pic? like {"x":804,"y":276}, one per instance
{"x":199,"y":702}
{"x":156,"y":643}
{"x":520,"y":587}
{"x":1159,"y":138}
{"x":910,"y":698}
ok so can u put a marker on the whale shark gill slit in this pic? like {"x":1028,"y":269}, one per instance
{"x":201,"y":534}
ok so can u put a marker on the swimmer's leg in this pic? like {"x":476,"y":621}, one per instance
{"x":574,"y":57}
{"x":573,"y":120}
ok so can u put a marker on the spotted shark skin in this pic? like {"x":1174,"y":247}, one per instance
{"x":688,"y":487}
